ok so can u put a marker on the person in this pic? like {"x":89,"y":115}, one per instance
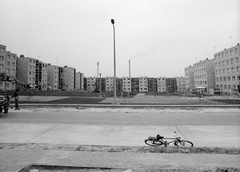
{"x":15,"y":96}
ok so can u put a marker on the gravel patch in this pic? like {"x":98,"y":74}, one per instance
{"x":119,"y":149}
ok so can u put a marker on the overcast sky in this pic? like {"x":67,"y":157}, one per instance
{"x":161,"y":37}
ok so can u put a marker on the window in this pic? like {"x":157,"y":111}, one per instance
{"x":1,"y":58}
{"x":2,"y":49}
{"x":237,"y":69}
{"x":236,"y":50}
{"x":231,"y":52}
{"x":223,"y":63}
{"x":237,"y":59}
{"x":232,"y":69}
{"x":232,"y":61}
{"x":227,"y":62}
{"x":233,"y":78}
{"x":228,"y":70}
{"x":223,"y":71}
{"x":1,"y":66}
{"x":219,"y":64}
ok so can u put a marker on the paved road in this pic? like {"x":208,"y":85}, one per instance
{"x":122,"y":127}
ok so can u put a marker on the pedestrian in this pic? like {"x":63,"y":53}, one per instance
{"x":15,"y":96}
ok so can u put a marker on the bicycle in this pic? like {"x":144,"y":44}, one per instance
{"x":160,"y":140}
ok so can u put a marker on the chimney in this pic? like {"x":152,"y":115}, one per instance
{"x":129,"y":69}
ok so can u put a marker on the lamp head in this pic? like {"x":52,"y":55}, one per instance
{"x":112,"y":21}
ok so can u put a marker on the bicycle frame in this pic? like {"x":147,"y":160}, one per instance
{"x":153,"y":141}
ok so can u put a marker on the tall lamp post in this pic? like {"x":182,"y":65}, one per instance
{"x":114,"y":55}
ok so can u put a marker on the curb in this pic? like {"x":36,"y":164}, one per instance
{"x":127,"y":106}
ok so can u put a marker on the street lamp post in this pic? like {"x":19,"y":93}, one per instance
{"x":114,"y":55}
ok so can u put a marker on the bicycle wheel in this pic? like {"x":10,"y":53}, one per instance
{"x":184,"y":143}
{"x":152,"y":143}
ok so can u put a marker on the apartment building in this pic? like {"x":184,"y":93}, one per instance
{"x":204,"y":75}
{"x":26,"y":70}
{"x":152,"y":85}
{"x":69,"y":76}
{"x":109,"y":83}
{"x":171,"y":85}
{"x":126,"y":84}
{"x":161,"y":84}
{"x":143,"y":84}
{"x":180,"y":84}
{"x":53,"y":77}
{"x":90,"y":83}
{"x":79,"y":81}
{"x":189,"y":78}
{"x":135,"y":85}
{"x":8,"y":65}
{"x":227,"y":70}
{"x":33,"y":72}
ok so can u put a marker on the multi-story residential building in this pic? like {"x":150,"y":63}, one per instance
{"x":135,"y":85}
{"x":8,"y":65}
{"x":79,"y":81}
{"x":69,"y":75}
{"x":60,"y":78}
{"x":180,"y":84}
{"x":32,"y":72}
{"x":204,"y":75}
{"x":109,"y":83}
{"x":152,"y":85}
{"x":90,"y":83}
{"x":53,"y":76}
{"x":161,"y":84}
{"x":126,"y":84}
{"x":189,"y":78}
{"x":171,"y":85}
{"x":227,"y":69}
{"x":26,"y":70}
{"x":143,"y":84}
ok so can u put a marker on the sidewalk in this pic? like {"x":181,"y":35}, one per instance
{"x":214,"y":136}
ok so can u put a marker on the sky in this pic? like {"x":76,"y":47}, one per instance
{"x":159,"y":37}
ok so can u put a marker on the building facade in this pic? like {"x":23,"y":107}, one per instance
{"x":126,"y":84}
{"x":91,"y":83}
{"x":143,"y":84}
{"x":227,"y":70}
{"x":204,"y":75}
{"x":161,"y":84}
{"x":79,"y":81}
{"x":181,"y":84}
{"x":69,"y":76}
{"x":8,"y":63}
{"x":53,"y":77}
{"x":189,"y":78}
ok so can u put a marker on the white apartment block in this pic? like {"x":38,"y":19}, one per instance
{"x":109,"y":84}
{"x":53,"y":77}
{"x":161,"y":84}
{"x":8,"y":65}
{"x":143,"y":84}
{"x":91,"y":84}
{"x":204,"y":75}
{"x":189,"y":78}
{"x":69,"y":74}
{"x":227,"y":69}
{"x":181,"y":84}
{"x":79,"y":81}
{"x":126,"y":84}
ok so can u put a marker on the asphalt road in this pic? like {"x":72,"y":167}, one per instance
{"x":108,"y":116}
